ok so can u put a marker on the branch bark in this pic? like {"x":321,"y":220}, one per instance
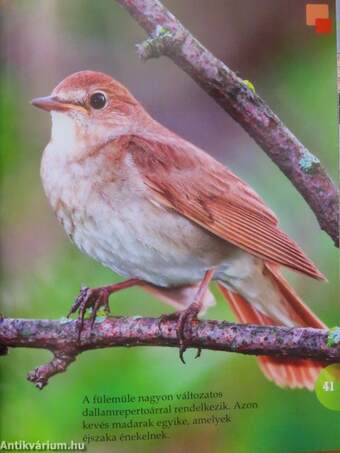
{"x":61,"y":338}
{"x":167,"y":36}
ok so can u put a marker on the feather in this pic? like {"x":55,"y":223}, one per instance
{"x":181,"y":177}
{"x":293,"y":373}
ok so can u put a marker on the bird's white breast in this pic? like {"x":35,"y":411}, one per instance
{"x":110,"y":217}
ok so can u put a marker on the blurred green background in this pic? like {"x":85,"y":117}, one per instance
{"x":295,"y":71}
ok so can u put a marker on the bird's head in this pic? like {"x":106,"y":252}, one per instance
{"x":91,"y":102}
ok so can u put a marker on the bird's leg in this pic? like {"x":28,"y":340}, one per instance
{"x":96,"y":298}
{"x":185,"y":317}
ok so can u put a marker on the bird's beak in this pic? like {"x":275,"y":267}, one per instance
{"x":52,"y":103}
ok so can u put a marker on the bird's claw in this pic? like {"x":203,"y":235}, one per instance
{"x":79,"y":300}
{"x":198,"y":353}
{"x":184,"y":325}
{"x":89,"y":297}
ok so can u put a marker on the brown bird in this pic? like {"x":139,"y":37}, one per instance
{"x":153,"y":207}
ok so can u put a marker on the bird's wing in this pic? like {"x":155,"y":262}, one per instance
{"x":186,"y":179}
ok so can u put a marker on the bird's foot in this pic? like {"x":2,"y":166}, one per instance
{"x":184,"y":328}
{"x":184,"y":320}
{"x":95,"y":298}
{"x":90,"y":298}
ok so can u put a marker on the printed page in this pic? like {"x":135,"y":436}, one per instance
{"x":169,"y":226}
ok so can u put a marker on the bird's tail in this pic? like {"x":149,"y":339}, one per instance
{"x":293,"y":373}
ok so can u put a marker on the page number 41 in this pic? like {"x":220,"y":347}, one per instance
{"x":328,"y":386}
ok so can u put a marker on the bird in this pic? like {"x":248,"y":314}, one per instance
{"x":161,"y":212}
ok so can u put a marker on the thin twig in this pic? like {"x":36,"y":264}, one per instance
{"x":167,"y":36}
{"x":61,"y":338}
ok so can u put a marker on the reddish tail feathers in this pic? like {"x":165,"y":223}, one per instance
{"x":293,"y":373}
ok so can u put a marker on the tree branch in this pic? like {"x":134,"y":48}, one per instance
{"x":169,"y":37}
{"x":61,"y":338}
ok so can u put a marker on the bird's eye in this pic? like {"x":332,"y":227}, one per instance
{"x":98,"y":100}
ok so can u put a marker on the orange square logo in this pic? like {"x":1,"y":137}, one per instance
{"x":316,"y":11}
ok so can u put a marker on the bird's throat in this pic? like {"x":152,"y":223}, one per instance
{"x":64,"y":133}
